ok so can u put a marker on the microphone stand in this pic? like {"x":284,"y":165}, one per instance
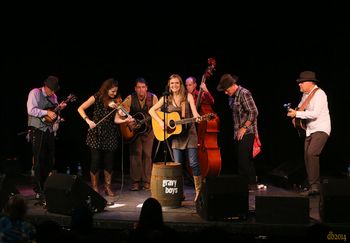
{"x":163,"y":170}
{"x":165,"y":109}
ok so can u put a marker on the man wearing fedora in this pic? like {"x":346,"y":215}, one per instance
{"x":318,"y":126}
{"x":244,"y":113}
{"x":40,"y":104}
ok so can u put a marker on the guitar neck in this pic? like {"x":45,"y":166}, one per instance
{"x":57,"y":108}
{"x":69,"y":99}
{"x":185,"y":121}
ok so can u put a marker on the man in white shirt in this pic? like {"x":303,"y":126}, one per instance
{"x":318,"y":126}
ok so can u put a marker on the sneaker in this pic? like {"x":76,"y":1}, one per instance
{"x":146,"y":186}
{"x":39,"y":196}
{"x":252,"y":187}
{"x":310,"y":192}
{"x":41,"y":203}
{"x":135,"y":186}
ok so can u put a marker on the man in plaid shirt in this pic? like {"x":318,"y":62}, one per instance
{"x":244,"y":114}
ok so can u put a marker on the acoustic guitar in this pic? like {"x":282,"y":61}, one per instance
{"x":47,"y":120}
{"x":174,"y":123}
{"x":131,"y":130}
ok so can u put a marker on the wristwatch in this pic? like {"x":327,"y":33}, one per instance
{"x":245,"y":126}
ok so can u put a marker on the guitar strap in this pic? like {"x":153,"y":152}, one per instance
{"x":149,"y":104}
{"x":302,"y":108}
{"x":183,"y":108}
{"x":54,"y":105}
{"x":307,"y":101}
{"x":149,"y":100}
{"x":136,"y":106}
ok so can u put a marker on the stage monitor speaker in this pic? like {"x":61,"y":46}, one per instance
{"x":335,"y":200}
{"x":7,"y":187}
{"x":223,"y":198}
{"x":288,"y":174}
{"x":64,"y":193}
{"x":282,"y":209}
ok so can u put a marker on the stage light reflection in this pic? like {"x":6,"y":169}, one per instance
{"x":117,"y":205}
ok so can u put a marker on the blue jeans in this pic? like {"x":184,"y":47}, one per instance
{"x":192,"y":155}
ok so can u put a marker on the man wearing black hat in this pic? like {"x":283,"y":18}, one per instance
{"x":41,"y":122}
{"x":313,"y":107}
{"x":244,"y":113}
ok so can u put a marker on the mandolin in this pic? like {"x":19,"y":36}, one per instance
{"x":47,"y":120}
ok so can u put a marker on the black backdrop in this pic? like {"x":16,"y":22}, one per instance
{"x":266,"y":55}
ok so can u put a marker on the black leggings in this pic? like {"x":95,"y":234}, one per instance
{"x":97,"y":156}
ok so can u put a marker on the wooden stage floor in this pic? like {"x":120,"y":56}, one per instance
{"x":125,"y":209}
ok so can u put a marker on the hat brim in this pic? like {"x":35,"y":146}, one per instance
{"x":219,"y":88}
{"x":307,"y":80}
{"x":54,"y":88}
{"x":225,"y":86}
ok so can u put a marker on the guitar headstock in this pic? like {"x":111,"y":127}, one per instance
{"x":208,"y":117}
{"x":287,"y":106}
{"x":71,"y":98}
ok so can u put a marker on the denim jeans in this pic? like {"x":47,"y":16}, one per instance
{"x":192,"y":154}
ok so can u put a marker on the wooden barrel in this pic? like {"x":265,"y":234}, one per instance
{"x":167,"y":183}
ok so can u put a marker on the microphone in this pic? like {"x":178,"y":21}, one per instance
{"x":166,"y":91}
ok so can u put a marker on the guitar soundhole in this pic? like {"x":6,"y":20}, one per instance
{"x":172,"y":124}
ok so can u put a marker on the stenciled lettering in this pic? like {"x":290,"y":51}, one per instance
{"x":171,"y":190}
{"x":171,"y":183}
{"x":170,"y":187}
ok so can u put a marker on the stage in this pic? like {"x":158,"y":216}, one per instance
{"x":123,"y":210}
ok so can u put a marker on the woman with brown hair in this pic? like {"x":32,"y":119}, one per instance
{"x":103,"y":135}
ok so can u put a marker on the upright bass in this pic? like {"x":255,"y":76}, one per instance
{"x":208,"y":149}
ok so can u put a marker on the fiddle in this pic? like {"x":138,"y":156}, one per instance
{"x":115,"y":104}
{"x":119,"y":105}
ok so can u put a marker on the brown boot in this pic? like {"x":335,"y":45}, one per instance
{"x":197,"y":185}
{"x":94,"y":181}
{"x":108,"y":182}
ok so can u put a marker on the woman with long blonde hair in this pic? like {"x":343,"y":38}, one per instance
{"x":185,"y":143}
